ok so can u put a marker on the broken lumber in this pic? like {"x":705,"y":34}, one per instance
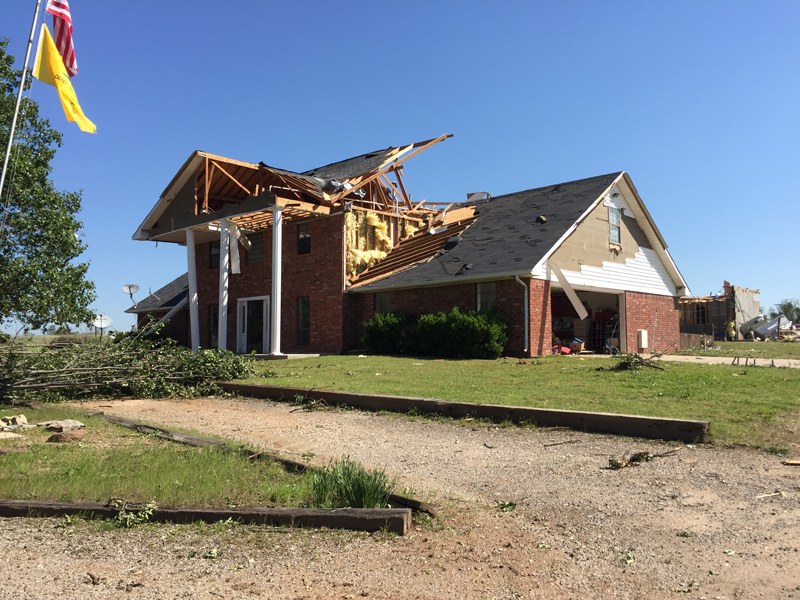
{"x":681,"y":430}
{"x":396,"y":520}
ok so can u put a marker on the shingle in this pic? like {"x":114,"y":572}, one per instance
{"x":506,"y":236}
{"x":164,"y":298}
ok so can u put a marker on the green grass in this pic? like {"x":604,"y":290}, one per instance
{"x":753,"y":406}
{"x":751,"y":349}
{"x":114,"y":462}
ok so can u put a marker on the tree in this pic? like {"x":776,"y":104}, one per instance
{"x":788,"y":308}
{"x":40,"y":280}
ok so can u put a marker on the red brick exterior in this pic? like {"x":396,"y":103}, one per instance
{"x":176,"y":328}
{"x":541,"y":324}
{"x":318,"y":275}
{"x":640,"y":313}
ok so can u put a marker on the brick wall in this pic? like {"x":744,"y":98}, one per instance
{"x":176,"y":328}
{"x":510,"y":304}
{"x":541,"y":326}
{"x":640,"y":313}
{"x":318,"y":275}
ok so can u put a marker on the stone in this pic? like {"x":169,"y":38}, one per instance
{"x":65,"y":425}
{"x":65,"y":437}
{"x":15,"y":420}
{"x":7,"y":435}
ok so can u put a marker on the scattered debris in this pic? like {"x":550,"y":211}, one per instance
{"x":15,"y":420}
{"x":65,"y":437}
{"x":775,"y":493}
{"x":7,"y":435}
{"x":488,"y":446}
{"x":64,"y":425}
{"x":792,"y":463}
{"x":561,"y":443}
{"x":632,"y":361}
{"x":635,"y":458}
{"x":96,"y":579}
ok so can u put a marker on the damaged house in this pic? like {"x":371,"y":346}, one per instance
{"x":296,"y":262}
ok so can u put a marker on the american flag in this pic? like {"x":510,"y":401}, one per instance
{"x":62,"y":31}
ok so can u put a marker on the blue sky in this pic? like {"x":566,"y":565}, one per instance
{"x":696,"y":101}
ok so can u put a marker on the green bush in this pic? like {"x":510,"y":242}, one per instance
{"x":391,"y":333}
{"x":453,"y":334}
{"x":345,"y":483}
{"x":457,"y":334}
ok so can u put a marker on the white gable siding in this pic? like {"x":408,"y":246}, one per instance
{"x":644,"y":273}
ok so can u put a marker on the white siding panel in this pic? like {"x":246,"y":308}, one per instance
{"x":644,"y":273}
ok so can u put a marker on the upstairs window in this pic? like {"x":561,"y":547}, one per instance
{"x":487,"y":295}
{"x":613,"y":223}
{"x":256,"y":252}
{"x":381,"y":302}
{"x":213,"y":255}
{"x":304,"y":238}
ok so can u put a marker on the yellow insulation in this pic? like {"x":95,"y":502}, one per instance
{"x":359,"y":226}
{"x":411,"y":229}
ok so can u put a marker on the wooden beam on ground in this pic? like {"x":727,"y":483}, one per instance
{"x":396,"y":520}
{"x":628,"y":425}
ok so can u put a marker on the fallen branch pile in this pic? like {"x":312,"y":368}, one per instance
{"x":632,"y":362}
{"x":131,"y":366}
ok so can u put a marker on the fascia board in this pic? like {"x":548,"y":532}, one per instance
{"x":573,"y":227}
{"x":460,"y":280}
{"x":180,"y":178}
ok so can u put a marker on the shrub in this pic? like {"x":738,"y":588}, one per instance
{"x":345,"y":483}
{"x":459,"y":334}
{"x":391,"y":333}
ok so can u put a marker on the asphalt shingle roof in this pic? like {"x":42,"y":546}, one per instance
{"x":164,"y":298}
{"x":352,"y":167}
{"x":508,"y":236}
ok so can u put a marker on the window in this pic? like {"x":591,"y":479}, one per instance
{"x":256,"y":252}
{"x":213,"y":255}
{"x":303,"y":321}
{"x":381,"y":302}
{"x":613,"y":222}
{"x":304,"y":238}
{"x":213,"y":325}
{"x":487,"y":295}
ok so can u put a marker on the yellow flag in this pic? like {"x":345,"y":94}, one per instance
{"x":49,"y":68}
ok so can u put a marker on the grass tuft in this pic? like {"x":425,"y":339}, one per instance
{"x":345,"y":483}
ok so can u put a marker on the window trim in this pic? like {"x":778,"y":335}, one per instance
{"x":254,"y":238}
{"x":491,"y":287}
{"x":212,"y":255}
{"x":614,"y":226}
{"x":386,"y":299}
{"x":304,"y":238}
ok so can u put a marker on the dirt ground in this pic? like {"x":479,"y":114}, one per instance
{"x":689,"y":525}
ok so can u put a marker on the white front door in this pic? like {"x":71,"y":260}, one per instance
{"x":252,"y":325}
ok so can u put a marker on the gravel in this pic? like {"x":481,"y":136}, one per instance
{"x":687,"y":524}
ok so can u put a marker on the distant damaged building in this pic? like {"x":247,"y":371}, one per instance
{"x":709,"y":315}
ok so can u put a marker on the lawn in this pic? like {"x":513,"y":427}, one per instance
{"x":746,"y":405}
{"x":751,"y":349}
{"x":114,"y":462}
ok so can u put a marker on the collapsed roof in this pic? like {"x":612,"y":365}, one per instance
{"x":208,"y":188}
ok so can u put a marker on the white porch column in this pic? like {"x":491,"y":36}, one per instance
{"x":277,"y":262}
{"x":224,"y":277}
{"x":194,"y":321}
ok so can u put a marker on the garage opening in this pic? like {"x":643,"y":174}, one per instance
{"x":600,"y":332}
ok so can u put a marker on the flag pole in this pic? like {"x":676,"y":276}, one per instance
{"x":19,"y":95}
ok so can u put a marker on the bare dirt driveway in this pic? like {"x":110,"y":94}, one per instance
{"x":690,"y":525}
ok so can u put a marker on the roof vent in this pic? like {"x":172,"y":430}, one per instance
{"x":452,"y":242}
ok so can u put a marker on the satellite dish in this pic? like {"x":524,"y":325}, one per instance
{"x":130,"y":289}
{"x":102,"y":321}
